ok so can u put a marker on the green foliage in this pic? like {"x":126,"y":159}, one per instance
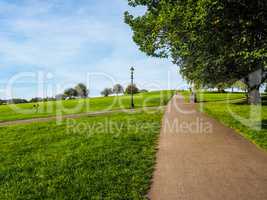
{"x":70,"y":92}
{"x":213,"y":41}
{"x":80,"y":90}
{"x":16,"y":101}
{"x":106,"y":92}
{"x":240,"y":85}
{"x":131,"y":88}
{"x":49,"y":161}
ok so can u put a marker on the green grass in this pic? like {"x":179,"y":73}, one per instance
{"x":46,"y":109}
{"x":230,"y":109}
{"x":99,"y":161}
{"x":219,"y":97}
{"x":213,"y":96}
{"x":185,"y":94}
{"x":249,"y":121}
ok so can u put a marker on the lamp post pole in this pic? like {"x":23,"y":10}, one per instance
{"x":132,"y":77}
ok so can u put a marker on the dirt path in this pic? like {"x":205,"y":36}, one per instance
{"x":200,"y":159}
{"x":75,"y":116}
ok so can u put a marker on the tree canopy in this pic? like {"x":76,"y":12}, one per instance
{"x":131,"y":88}
{"x":70,"y":92}
{"x":117,"y":89}
{"x":82,"y":90}
{"x":106,"y":92}
{"x":213,"y":41}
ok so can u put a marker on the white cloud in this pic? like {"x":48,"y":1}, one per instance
{"x":71,"y":42}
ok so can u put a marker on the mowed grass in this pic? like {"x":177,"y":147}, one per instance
{"x":46,"y":109}
{"x":104,"y":157}
{"x":231,"y":109}
{"x":214,"y":97}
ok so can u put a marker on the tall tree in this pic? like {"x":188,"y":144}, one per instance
{"x":106,"y":92}
{"x":131,"y":88}
{"x":213,"y":41}
{"x":82,"y":90}
{"x":70,"y":92}
{"x":117,"y":89}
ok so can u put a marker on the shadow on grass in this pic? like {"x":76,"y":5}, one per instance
{"x":244,"y":101}
{"x":264,"y":100}
{"x":239,"y":100}
{"x":264,"y":124}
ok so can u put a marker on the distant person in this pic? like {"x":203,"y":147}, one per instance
{"x":36,"y":107}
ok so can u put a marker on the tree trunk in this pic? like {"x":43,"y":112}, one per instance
{"x":254,"y":96}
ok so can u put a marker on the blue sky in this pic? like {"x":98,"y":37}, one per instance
{"x":63,"y":42}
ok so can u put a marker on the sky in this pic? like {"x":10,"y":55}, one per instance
{"x":47,"y":46}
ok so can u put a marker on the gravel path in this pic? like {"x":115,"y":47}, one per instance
{"x":201,"y":159}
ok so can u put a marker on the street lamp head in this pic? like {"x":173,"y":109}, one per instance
{"x":132,"y":69}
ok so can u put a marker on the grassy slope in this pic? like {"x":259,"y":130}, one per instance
{"x":26,"y":111}
{"x":229,"y":109}
{"x":44,"y":161}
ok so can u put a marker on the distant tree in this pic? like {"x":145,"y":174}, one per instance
{"x":143,"y":91}
{"x":2,"y":102}
{"x":49,"y":99}
{"x":240,"y":85}
{"x":117,"y":89}
{"x":106,"y":92}
{"x":221,"y":87}
{"x":16,"y":101}
{"x":36,"y":99}
{"x":131,"y":88}
{"x":70,"y":92}
{"x":82,"y":90}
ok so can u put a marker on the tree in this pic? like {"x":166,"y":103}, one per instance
{"x":213,"y":41}
{"x":36,"y":99}
{"x":16,"y":101}
{"x":131,"y":88}
{"x":143,"y":91}
{"x":2,"y":102}
{"x":240,"y":85}
{"x":106,"y":92}
{"x":70,"y":92}
{"x":117,"y":89}
{"x":221,"y":87}
{"x":82,"y":90}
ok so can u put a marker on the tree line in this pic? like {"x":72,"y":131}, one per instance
{"x":79,"y":91}
{"x":118,"y":89}
{"x":214,"y":42}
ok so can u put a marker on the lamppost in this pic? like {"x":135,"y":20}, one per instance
{"x":132,"y":77}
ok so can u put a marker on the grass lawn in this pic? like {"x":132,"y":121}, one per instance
{"x":27,"y":111}
{"x":103,"y":157}
{"x":229,"y":108}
